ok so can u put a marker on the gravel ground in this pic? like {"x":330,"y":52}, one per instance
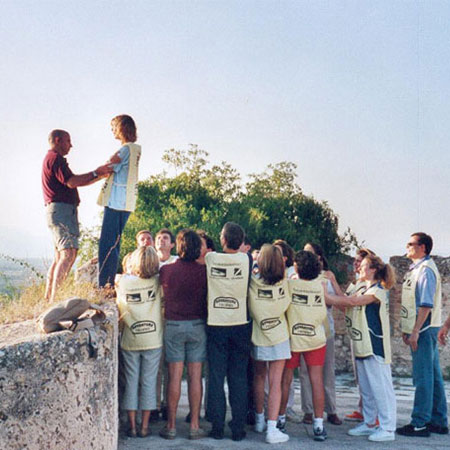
{"x":300,"y":435}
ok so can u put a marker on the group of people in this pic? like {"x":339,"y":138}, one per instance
{"x":250,"y":319}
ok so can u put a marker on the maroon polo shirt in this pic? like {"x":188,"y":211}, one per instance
{"x":55,"y":174}
{"x":184,"y":286}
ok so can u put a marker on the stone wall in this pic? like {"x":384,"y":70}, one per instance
{"x":401,"y":355}
{"x":53,"y":394}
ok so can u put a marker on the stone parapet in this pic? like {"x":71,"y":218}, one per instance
{"x":53,"y":394}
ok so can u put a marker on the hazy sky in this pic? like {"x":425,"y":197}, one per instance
{"x":356,"y":93}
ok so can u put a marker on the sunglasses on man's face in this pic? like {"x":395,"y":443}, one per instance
{"x":412,"y":244}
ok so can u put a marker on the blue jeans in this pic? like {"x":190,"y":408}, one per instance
{"x":114,"y":222}
{"x":430,"y":404}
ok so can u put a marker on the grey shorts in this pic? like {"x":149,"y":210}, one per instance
{"x":62,"y":219}
{"x":185,"y":340}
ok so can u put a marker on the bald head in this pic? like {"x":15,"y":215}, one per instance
{"x":55,"y":135}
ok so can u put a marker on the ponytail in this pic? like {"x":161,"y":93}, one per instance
{"x":384,"y":273}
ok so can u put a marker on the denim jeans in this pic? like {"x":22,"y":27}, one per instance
{"x":228,"y":355}
{"x":430,"y":404}
{"x":114,"y":222}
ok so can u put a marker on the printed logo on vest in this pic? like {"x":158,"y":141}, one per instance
{"x":134,"y":298}
{"x":348,"y":322}
{"x":265,"y":293}
{"x":317,"y":300}
{"x":226,"y":303}
{"x":151,"y":295}
{"x":303,"y":329}
{"x":281,"y":292}
{"x":404,"y":313}
{"x":300,"y":299}
{"x":143,"y":327}
{"x":218,"y":272}
{"x":237,"y":272}
{"x":268,"y":324}
{"x":355,"y":334}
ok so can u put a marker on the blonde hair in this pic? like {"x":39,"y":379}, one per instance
{"x":271,"y":264}
{"x":145,"y":262}
{"x":126,"y":260}
{"x":383,"y":272}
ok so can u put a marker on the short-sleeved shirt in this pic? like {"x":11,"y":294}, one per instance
{"x":117,"y":199}
{"x":55,"y":174}
{"x":184,"y":290}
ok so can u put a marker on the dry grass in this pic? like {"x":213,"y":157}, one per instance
{"x":30,"y":303}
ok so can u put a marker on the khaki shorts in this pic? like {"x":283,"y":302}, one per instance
{"x":62,"y":219}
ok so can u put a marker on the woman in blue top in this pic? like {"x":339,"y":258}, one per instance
{"x":118,"y":196}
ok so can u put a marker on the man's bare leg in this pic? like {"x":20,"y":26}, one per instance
{"x":65,"y":262}
{"x":195,"y":392}
{"x":50,"y":275}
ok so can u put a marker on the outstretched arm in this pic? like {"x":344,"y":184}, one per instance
{"x":88,"y":178}
{"x":354,"y":300}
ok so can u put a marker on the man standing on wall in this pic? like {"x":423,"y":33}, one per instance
{"x":420,"y":323}
{"x":59,"y":186}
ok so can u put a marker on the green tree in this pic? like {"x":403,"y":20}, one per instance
{"x":269,"y":206}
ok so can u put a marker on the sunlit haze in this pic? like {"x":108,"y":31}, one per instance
{"x":356,"y":93}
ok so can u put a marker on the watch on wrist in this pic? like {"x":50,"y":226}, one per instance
{"x":94,"y":174}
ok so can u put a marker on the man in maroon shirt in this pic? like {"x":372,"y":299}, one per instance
{"x":59,"y":186}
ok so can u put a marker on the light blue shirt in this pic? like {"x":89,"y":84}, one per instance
{"x":118,"y":197}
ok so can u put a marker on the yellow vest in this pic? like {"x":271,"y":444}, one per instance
{"x":359,"y":332}
{"x":227,"y":275}
{"x":408,"y":311}
{"x":131,"y":196}
{"x":268,"y":304}
{"x":306,"y":315}
{"x":352,"y":289}
{"x":139,"y":303}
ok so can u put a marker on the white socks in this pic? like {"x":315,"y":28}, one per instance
{"x":318,"y":422}
{"x":271,"y":426}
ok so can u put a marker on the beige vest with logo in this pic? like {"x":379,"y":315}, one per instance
{"x":408,"y":312}
{"x":268,"y":304}
{"x":227,"y":275}
{"x":139,"y":303}
{"x":359,"y":332}
{"x":131,"y":196}
{"x":352,"y":289}
{"x":307,"y":315}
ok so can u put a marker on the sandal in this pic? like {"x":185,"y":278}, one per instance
{"x":144,"y":432}
{"x":131,"y":432}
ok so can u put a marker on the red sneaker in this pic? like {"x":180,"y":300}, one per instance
{"x":355,"y":416}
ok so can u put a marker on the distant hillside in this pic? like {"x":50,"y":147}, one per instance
{"x":14,"y":275}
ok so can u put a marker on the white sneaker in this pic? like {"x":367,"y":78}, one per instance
{"x":276,"y":436}
{"x":260,"y":426}
{"x":382,"y":436}
{"x":293,"y":416}
{"x":362,"y":430}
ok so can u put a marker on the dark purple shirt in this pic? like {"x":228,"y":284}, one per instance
{"x":184,"y":286}
{"x":55,"y":174}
